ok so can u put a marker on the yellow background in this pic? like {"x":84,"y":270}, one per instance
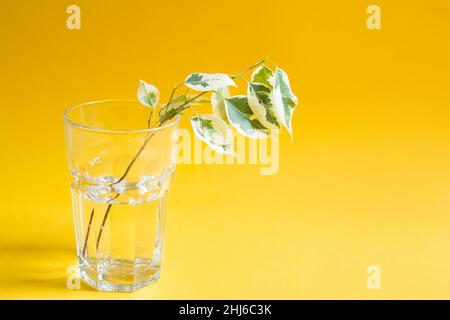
{"x":365,"y":181}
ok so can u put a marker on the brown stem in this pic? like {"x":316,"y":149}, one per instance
{"x":127,"y":170}
{"x":133,"y":160}
{"x":102,"y":226}
{"x":149,"y":121}
{"x":248,"y":69}
{"x":105,"y":217}
{"x":87,"y":233}
{"x":186,"y":104}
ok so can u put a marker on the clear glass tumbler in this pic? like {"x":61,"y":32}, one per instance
{"x":121,"y":172}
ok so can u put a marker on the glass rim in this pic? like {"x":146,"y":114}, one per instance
{"x":171,"y":123}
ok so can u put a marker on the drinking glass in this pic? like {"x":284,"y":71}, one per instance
{"x":121,"y":171}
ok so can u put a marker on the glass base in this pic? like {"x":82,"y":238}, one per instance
{"x":119,"y":275}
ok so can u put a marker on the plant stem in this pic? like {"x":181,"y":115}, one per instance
{"x":102,"y":226}
{"x":87,"y":233}
{"x":134,"y":159}
{"x":186,"y":104}
{"x":149,"y":121}
{"x":108,"y":209}
{"x":240,"y":74}
{"x":173,"y":92}
{"x":170,"y":100}
{"x":163,"y":119}
{"x":115,"y":197}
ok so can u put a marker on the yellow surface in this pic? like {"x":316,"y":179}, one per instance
{"x":365,"y":181}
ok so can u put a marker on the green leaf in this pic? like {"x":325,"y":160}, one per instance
{"x":208,"y":81}
{"x":284,"y":100}
{"x":243,"y":119}
{"x":218,"y":102}
{"x":147,"y":94}
{"x":214,"y":132}
{"x":260,"y":101}
{"x":262,"y":75}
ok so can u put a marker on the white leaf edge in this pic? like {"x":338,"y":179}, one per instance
{"x":259,"y":134}
{"x":218,"y":80}
{"x":222,"y":128}
{"x":144,"y":90}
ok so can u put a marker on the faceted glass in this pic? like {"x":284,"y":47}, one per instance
{"x":121,"y":172}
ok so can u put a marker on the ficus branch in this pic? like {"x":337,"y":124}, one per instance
{"x":164,"y":116}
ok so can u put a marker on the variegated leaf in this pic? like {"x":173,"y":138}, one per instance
{"x":147,"y":94}
{"x":260,"y":101}
{"x":214,"y":132}
{"x":208,"y":81}
{"x":218,"y":102}
{"x":263,"y":75}
{"x":284,"y":100}
{"x":243,"y":119}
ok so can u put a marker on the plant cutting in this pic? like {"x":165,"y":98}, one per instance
{"x":118,"y":191}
